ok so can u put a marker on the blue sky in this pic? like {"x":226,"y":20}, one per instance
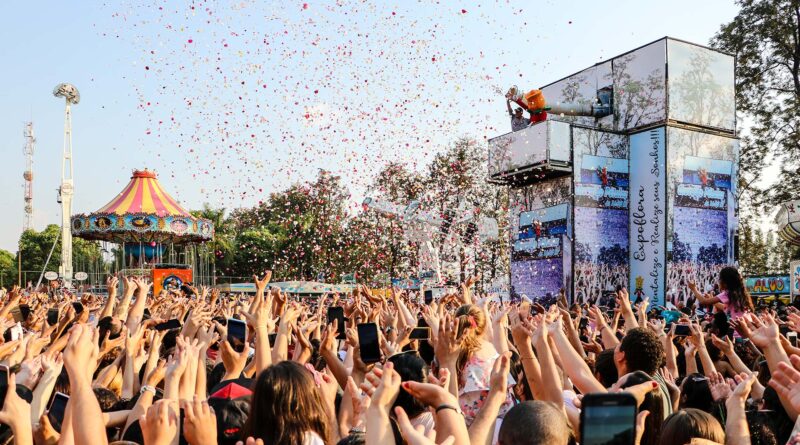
{"x":230,"y":101}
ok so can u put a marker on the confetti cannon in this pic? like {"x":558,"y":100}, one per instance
{"x":535,"y":103}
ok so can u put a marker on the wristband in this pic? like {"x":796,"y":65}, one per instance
{"x":446,"y":406}
{"x":147,"y":388}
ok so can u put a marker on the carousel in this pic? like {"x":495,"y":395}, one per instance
{"x":788,"y":222}
{"x":151,"y":229}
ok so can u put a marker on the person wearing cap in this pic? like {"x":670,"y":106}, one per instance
{"x":518,"y":122}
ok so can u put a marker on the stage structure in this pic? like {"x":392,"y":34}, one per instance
{"x":66,"y":190}
{"x":158,"y":237}
{"x":628,"y":177}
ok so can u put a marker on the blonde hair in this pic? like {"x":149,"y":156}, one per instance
{"x":470,"y":327}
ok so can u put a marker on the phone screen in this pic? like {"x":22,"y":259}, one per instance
{"x":57,"y":409}
{"x":3,"y":384}
{"x":420,"y":333}
{"x":272,"y":338}
{"x":368,"y":342}
{"x":682,"y":330}
{"x":608,"y":418}
{"x":792,"y":336}
{"x":337,"y":313}
{"x":237,"y":334}
{"x":168,"y":325}
{"x":428,"y":296}
{"x":78,"y":307}
{"x":52,"y":316}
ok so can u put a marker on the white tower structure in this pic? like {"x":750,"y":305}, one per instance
{"x":30,"y":141}
{"x":71,"y":97}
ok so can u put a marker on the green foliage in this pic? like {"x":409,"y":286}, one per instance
{"x":35,"y":246}
{"x":8,"y":268}
{"x":765,"y":38}
{"x":308,"y":231}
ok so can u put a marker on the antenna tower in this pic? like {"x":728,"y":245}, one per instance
{"x":30,"y":141}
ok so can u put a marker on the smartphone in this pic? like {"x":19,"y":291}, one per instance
{"x":682,"y":330}
{"x":146,"y":315}
{"x":52,"y":316}
{"x":168,"y":325}
{"x":237,"y":334}
{"x":368,"y":342}
{"x":792,"y":337}
{"x":419,"y":333}
{"x":55,"y":413}
{"x":78,"y":307}
{"x":3,"y":384}
{"x":272,"y":338}
{"x":337,"y":313}
{"x":608,"y":418}
{"x":428,"y":297}
{"x":17,"y":332}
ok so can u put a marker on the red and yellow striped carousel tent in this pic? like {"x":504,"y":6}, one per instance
{"x":143,"y":213}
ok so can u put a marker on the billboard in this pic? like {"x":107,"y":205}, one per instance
{"x":768,"y":285}
{"x":647,"y":216}
{"x":540,"y":225}
{"x":794,"y":269}
{"x":169,"y":279}
{"x":701,"y":222}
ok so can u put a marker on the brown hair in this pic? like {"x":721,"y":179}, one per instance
{"x":690,"y":423}
{"x":285,"y":406}
{"x":470,"y":327}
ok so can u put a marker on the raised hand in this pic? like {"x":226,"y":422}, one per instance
{"x":764,"y":331}
{"x":261,"y":284}
{"x":447,"y":346}
{"x":199,"y":422}
{"x":16,"y":413}
{"x":159,"y":424}
{"x":720,"y":389}
{"x":81,"y":351}
{"x":786,"y":382}
{"x":387,"y":390}
{"x":416,"y":435}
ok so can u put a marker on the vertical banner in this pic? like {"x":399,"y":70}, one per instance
{"x":794,"y":268}
{"x":646,"y":218}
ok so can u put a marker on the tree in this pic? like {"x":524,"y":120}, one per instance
{"x":224,"y":237}
{"x":35,"y":246}
{"x":765,"y":38}
{"x":8,"y":268}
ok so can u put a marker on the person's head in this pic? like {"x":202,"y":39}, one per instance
{"x":687,"y":424}
{"x":106,"y":398}
{"x":411,"y":368}
{"x":534,"y":422}
{"x":730,"y":280}
{"x":518,"y":112}
{"x":286,"y":406}
{"x":605,"y":370}
{"x":653,"y":402}
{"x":639,"y":350}
{"x":696,"y":392}
{"x":109,"y":325}
{"x":470,"y":328}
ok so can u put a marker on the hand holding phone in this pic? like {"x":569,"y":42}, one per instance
{"x":58,"y":407}
{"x":168,"y":325}
{"x":608,"y":418}
{"x":337,"y":313}
{"x":52,"y":316}
{"x":368,"y":343}
{"x":237,"y":334}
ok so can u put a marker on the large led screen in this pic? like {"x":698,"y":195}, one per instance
{"x":702,"y":213}
{"x":701,"y":86}
{"x":540,"y":230}
{"x":601,"y":213}
{"x":640,"y":87}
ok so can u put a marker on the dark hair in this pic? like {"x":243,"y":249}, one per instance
{"x":653,"y":402}
{"x":534,"y":422}
{"x":696,"y":393}
{"x":605,"y":369}
{"x":737,"y":293}
{"x":411,"y":368}
{"x":285,"y":406}
{"x":106,"y":398}
{"x":643,"y":350}
{"x":353,"y":439}
{"x":106,"y":324}
{"x":684,"y":425}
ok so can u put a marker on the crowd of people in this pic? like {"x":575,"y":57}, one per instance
{"x":202,"y":368}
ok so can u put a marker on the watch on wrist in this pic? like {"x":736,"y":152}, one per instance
{"x":147,"y":388}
